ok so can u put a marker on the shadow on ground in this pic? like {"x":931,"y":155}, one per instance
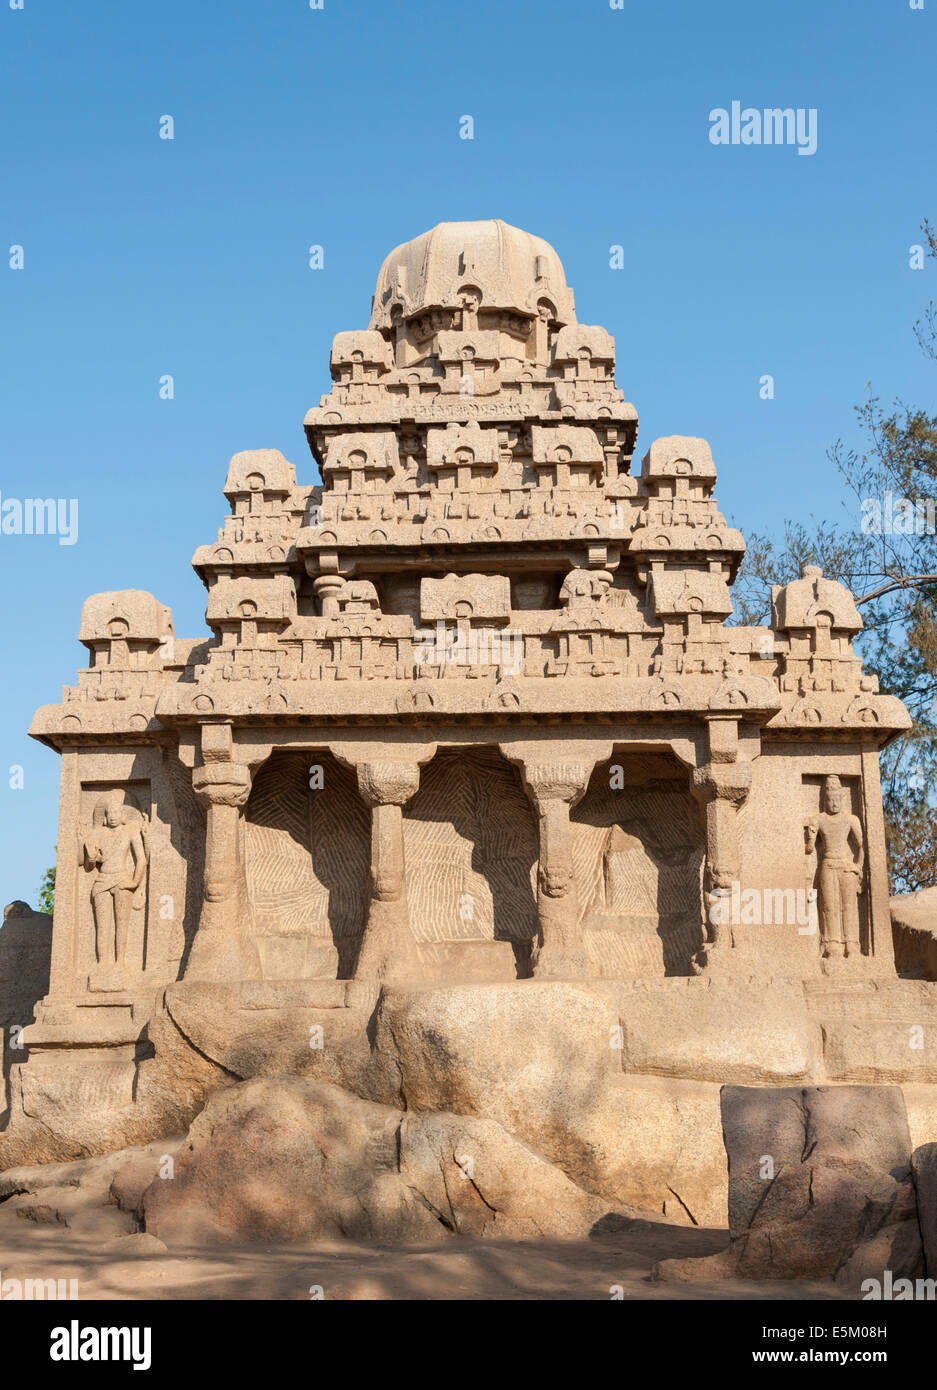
{"x":453,"y":1269}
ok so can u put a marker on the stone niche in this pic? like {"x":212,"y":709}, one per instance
{"x":470,"y":843}
{"x":307,"y":853}
{"x":471,"y":850}
{"x":638,"y":851}
{"x":127,"y":880}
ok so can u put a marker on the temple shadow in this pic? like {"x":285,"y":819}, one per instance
{"x":309,"y":839}
{"x":638,"y":851}
{"x":475,"y":796}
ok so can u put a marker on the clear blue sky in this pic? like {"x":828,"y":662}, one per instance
{"x":340,"y":127}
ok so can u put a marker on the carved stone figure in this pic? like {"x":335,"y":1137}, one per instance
{"x":115,"y":853}
{"x":836,"y":834}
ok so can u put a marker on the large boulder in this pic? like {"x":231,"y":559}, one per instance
{"x":924,"y":1167}
{"x":526,"y":1055}
{"x":545,"y":1061}
{"x":914,"y":932}
{"x":280,"y":1160}
{"x":288,"y":1159}
{"x":820,"y":1186}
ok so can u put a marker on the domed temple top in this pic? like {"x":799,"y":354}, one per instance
{"x":498,"y":266}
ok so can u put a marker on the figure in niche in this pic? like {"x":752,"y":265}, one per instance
{"x":116,"y":853}
{"x":833,"y":833}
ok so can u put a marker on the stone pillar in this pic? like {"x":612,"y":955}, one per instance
{"x":327,"y":588}
{"x":561,"y":952}
{"x":721,"y":788}
{"x":223,"y":948}
{"x":389,"y":952}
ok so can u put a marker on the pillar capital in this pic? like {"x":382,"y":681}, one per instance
{"x":555,"y":781}
{"x":327,"y":588}
{"x":221,"y":784}
{"x":388,"y":783}
{"x":717,"y":781}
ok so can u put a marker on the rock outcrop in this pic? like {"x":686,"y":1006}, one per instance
{"x":820,"y":1186}
{"x":285,"y":1159}
{"x":914,"y":931}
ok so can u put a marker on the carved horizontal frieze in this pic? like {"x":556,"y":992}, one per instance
{"x":534,"y":695}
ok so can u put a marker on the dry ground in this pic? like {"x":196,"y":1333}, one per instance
{"x":450,"y":1269}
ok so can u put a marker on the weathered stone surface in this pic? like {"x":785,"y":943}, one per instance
{"x":283,"y":1159}
{"x":280,"y":1160}
{"x":836,"y":1192}
{"x":71,"y":1102}
{"x":656,"y":1143}
{"x":300,"y":1028}
{"x":924,"y":1168}
{"x":136,"y":1169}
{"x":914,"y":929}
{"x":137,"y":1245}
{"x":883,"y":1050}
{"x":544,"y":1062}
{"x":25,"y":951}
{"x":763,"y":1132}
{"x":76,"y":1195}
{"x":724,"y":1029}
{"x":536,"y":1058}
{"x":483,"y":1182}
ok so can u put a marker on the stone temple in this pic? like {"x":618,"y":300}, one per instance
{"x":473,"y":799}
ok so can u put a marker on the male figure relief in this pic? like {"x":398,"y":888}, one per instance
{"x":835,"y":830}
{"x":116,"y":850}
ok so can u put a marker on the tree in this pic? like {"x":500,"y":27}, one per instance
{"x":47,"y":891}
{"x":885,"y":550}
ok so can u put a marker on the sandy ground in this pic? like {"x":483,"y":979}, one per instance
{"x":451,"y":1270}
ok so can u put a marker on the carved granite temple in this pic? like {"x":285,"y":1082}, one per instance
{"x":471,"y":712}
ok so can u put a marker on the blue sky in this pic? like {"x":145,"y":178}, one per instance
{"x":340,"y":127}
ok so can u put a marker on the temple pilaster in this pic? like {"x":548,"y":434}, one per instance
{"x":554,"y":788}
{"x":389,"y":951}
{"x":721,"y":788}
{"x":223,"y":948}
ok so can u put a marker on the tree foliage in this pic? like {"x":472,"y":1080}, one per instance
{"x":47,"y":892}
